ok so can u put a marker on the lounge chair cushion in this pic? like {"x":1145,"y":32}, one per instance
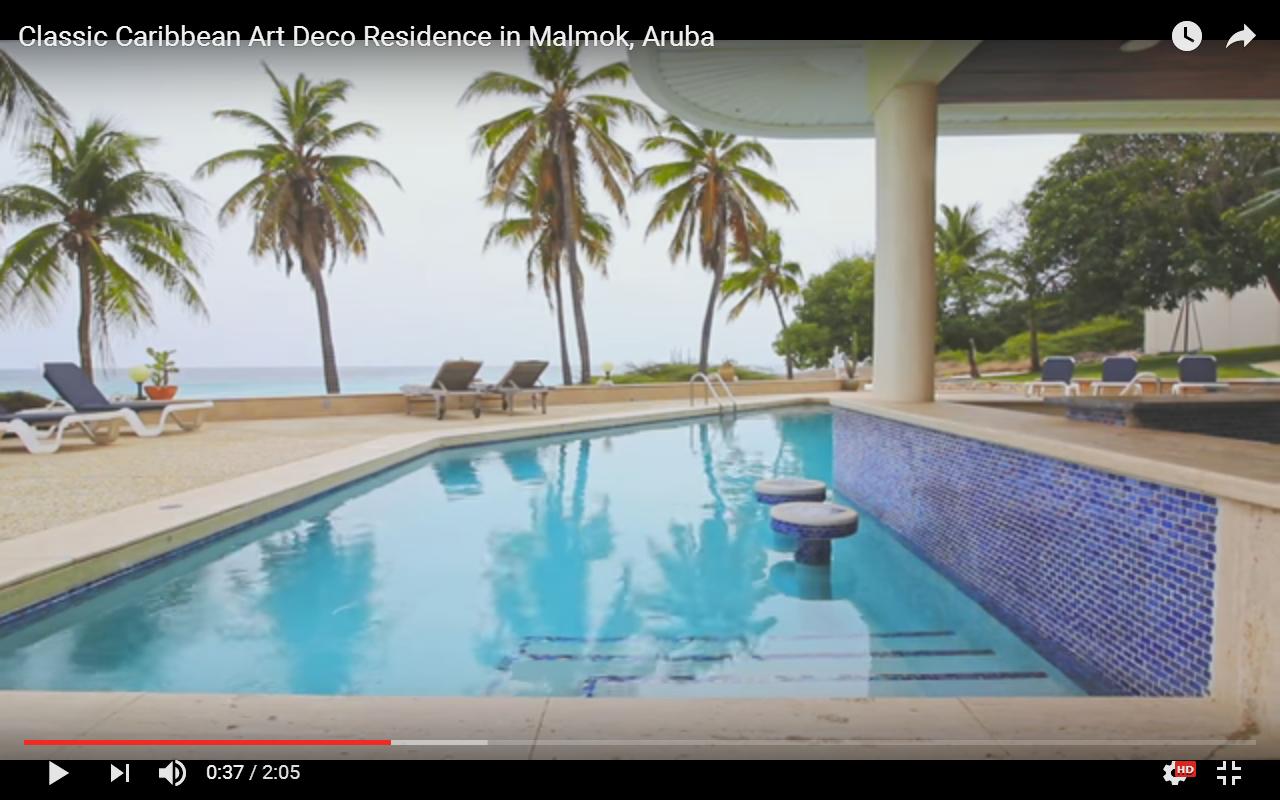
{"x":36,"y":417}
{"x":1058,"y":369}
{"x":456,"y":376}
{"x":1197,"y":369}
{"x":1119,"y":369}
{"x":523,"y":375}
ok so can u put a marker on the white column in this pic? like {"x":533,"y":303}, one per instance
{"x":906,"y":292}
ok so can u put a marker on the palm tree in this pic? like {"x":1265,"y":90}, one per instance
{"x":965,"y":281}
{"x":1266,"y":208}
{"x":766,"y":276}
{"x":712,"y":192}
{"x":303,"y":201}
{"x":960,"y":233}
{"x":563,"y":119}
{"x":538,"y":228}
{"x":102,"y":220}
{"x":23,"y":102}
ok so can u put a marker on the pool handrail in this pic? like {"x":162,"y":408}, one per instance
{"x":711,"y":390}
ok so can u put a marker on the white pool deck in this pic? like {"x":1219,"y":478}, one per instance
{"x":89,"y":511}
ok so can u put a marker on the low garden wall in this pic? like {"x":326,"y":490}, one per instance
{"x":251,"y":408}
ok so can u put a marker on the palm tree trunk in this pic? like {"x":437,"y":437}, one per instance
{"x":579,"y":315}
{"x":782,"y":318}
{"x":1273,"y":280}
{"x":1033,"y":330}
{"x":566,"y":369}
{"x":84,"y":330}
{"x":567,"y":198}
{"x":316,"y":278}
{"x":704,"y":356}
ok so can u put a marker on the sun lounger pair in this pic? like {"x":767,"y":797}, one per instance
{"x":458,"y":379}
{"x":1194,"y":371}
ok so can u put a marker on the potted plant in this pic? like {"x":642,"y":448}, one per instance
{"x":162,"y":366}
{"x":608,"y":373}
{"x":727,"y":372}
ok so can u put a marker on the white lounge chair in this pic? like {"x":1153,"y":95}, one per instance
{"x":1056,"y":371}
{"x":78,"y":392}
{"x":101,"y":427}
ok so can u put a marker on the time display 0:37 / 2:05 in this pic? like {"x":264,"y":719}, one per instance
{"x":252,"y":772}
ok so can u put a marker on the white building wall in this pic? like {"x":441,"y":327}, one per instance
{"x":1250,"y":319}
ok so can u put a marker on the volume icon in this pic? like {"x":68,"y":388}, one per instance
{"x":174,"y":772}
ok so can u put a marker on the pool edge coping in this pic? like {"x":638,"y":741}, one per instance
{"x":49,"y":565}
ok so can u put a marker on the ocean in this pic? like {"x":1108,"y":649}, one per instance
{"x":224,"y":382}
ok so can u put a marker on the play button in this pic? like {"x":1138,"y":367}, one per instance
{"x":116,"y":772}
{"x":56,"y":773}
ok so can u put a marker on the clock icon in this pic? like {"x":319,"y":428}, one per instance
{"x":1187,"y":36}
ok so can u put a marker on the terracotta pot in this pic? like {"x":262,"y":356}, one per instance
{"x":161,"y":392}
{"x":728,"y":373}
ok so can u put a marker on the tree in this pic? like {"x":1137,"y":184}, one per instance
{"x":102,"y":221}
{"x":1142,"y":221}
{"x":1264,"y":210}
{"x":834,"y":315}
{"x":966,"y":283}
{"x":303,"y":201}
{"x":564,"y":119}
{"x":23,"y":102}
{"x":1034,"y":284}
{"x":711,"y":195}
{"x":538,"y":228}
{"x":767,"y":276}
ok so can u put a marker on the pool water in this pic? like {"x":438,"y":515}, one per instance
{"x":627,"y":562}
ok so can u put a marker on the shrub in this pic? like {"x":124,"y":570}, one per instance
{"x":1105,"y":334}
{"x":21,"y":401}
{"x":678,"y":373}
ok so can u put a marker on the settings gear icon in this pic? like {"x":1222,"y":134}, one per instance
{"x":1168,"y":774}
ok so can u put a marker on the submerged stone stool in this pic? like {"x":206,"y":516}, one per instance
{"x":772,"y":491}
{"x":814,"y":525}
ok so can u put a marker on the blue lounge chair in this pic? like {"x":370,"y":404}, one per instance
{"x":1056,"y":371}
{"x":1122,"y":372}
{"x":101,"y":427}
{"x":78,"y":392}
{"x":1199,"y":372}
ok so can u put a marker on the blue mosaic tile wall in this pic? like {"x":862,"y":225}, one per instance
{"x":1109,"y":577}
{"x":1107,"y":416}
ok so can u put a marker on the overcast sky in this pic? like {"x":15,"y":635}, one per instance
{"x":427,"y":290}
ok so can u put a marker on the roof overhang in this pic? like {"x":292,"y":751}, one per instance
{"x":830,"y":89}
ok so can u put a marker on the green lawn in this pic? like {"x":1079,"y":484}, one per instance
{"x":1231,"y":364}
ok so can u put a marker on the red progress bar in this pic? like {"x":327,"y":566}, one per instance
{"x":207,"y":742}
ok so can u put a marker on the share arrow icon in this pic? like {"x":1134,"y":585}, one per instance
{"x":1243,"y":36}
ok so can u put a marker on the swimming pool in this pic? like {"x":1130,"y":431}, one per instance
{"x":626,"y":562}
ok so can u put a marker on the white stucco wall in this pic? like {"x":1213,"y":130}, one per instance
{"x":1250,"y":319}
